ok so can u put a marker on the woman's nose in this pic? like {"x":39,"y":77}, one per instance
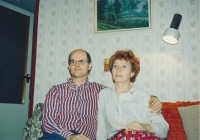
{"x":119,"y":68}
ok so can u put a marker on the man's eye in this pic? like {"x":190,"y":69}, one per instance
{"x":72,"y":62}
{"x":81,"y":61}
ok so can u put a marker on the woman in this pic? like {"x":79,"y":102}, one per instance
{"x":123,"y":109}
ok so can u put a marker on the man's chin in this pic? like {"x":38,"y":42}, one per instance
{"x":78,"y":75}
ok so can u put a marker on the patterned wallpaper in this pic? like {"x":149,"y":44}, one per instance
{"x":171,"y":72}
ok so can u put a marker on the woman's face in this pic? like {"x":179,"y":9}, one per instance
{"x":121,"y":71}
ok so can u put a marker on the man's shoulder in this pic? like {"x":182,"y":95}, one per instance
{"x":95,"y":84}
{"x":60,"y":85}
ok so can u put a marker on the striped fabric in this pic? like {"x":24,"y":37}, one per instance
{"x":69,"y":108}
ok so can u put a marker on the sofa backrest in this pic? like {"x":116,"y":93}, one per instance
{"x":172,"y":116}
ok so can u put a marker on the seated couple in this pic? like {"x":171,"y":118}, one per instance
{"x":83,"y":110}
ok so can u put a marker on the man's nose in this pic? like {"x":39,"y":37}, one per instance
{"x":77,"y":63}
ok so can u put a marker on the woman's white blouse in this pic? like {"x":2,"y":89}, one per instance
{"x":115,"y":111}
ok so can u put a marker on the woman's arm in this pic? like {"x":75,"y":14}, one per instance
{"x":134,"y":125}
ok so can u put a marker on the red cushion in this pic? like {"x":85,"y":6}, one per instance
{"x":134,"y":135}
{"x":171,"y":115}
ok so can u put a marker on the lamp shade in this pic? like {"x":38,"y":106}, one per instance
{"x":172,"y":34}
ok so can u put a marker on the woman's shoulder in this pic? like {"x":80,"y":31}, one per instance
{"x":105,"y":92}
{"x":142,"y":92}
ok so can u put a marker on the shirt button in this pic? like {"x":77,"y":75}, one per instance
{"x":78,"y":114}
{"x":78,"y":123}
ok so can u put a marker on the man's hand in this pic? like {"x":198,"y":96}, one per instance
{"x":155,"y":105}
{"x":77,"y":137}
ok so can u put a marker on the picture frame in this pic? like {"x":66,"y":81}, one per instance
{"x":122,"y":15}
{"x":106,"y":65}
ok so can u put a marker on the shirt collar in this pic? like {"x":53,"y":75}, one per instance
{"x":73,"y":86}
{"x":127,"y":96}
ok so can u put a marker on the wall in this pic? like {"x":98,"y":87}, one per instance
{"x":14,"y":116}
{"x":170,"y":72}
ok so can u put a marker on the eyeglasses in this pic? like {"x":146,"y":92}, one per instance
{"x":80,"y":62}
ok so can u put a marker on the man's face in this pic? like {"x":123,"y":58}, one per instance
{"x":79,"y":70}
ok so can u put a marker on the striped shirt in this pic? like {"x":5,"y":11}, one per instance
{"x":69,"y":108}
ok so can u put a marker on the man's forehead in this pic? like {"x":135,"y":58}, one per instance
{"x":79,"y":55}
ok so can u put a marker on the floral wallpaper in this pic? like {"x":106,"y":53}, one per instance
{"x":171,"y":72}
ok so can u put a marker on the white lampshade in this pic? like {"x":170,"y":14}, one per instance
{"x":171,"y":36}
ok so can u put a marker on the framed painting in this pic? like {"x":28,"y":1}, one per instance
{"x":122,"y":15}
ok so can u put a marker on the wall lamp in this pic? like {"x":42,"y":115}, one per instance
{"x":172,"y":34}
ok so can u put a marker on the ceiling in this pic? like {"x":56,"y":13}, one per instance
{"x":28,"y":5}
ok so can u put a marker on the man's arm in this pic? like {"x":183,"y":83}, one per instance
{"x":50,"y":112}
{"x":155,"y":105}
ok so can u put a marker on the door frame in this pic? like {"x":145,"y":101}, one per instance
{"x":33,"y":65}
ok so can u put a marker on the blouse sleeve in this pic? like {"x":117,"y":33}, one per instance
{"x":157,"y":122}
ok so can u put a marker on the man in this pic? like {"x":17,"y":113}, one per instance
{"x":70,"y":109}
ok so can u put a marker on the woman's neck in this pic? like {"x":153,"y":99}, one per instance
{"x":122,"y":87}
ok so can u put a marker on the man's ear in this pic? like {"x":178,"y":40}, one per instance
{"x":90,"y":66}
{"x":69,"y":70}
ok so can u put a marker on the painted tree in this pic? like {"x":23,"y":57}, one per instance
{"x":117,"y":8}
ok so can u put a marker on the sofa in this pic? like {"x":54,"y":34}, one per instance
{"x":183,"y":119}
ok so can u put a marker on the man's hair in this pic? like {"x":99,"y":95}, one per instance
{"x":128,"y":56}
{"x":88,"y":57}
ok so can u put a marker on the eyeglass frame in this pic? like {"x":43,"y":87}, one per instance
{"x":80,"y":62}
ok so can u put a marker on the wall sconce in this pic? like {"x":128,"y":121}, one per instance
{"x":172,"y":34}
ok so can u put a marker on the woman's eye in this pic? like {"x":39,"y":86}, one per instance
{"x":124,"y":66}
{"x":114,"y":66}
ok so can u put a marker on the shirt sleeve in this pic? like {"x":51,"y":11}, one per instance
{"x":157,"y":122}
{"x":50,"y":114}
{"x":101,"y":126}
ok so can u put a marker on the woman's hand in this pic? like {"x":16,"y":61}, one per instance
{"x":134,"y":125}
{"x":155,"y":105}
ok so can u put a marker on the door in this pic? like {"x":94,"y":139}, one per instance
{"x":15,"y":64}
{"x":14,"y":34}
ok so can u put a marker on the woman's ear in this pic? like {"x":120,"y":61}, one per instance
{"x":132,"y":74}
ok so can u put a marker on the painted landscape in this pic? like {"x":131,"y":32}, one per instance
{"x":122,"y":14}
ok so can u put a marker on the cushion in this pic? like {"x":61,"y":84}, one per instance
{"x":134,"y":135}
{"x":32,"y":129}
{"x":190,"y":118}
{"x":172,"y":116}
